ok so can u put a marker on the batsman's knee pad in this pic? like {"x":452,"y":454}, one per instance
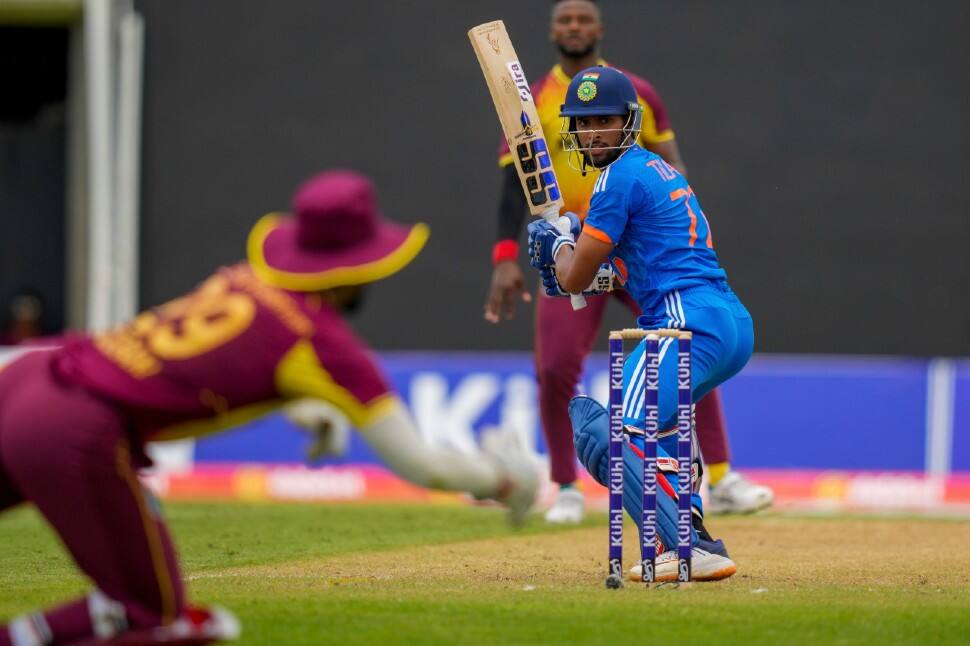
{"x":591,"y":428}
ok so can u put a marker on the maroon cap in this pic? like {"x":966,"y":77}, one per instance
{"x":337,"y":236}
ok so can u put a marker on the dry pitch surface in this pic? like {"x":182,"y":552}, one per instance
{"x":437,"y":574}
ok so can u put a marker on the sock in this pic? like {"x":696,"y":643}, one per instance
{"x":717,"y":472}
{"x":567,"y":485}
{"x":68,"y":622}
{"x":702,"y":532}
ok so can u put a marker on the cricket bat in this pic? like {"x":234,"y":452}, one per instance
{"x":520,"y":122}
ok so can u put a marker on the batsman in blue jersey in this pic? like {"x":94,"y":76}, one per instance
{"x":647,"y":233}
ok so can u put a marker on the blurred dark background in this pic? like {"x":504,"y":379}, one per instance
{"x":33,"y":90}
{"x":828,"y":142}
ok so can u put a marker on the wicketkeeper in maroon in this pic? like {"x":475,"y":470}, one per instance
{"x":253,"y":337}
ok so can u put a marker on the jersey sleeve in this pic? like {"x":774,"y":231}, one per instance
{"x":656,"y":126}
{"x":350,"y":380}
{"x":609,"y":207}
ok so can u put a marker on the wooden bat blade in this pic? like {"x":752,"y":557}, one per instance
{"x":517,"y":113}
{"x":509,"y":88}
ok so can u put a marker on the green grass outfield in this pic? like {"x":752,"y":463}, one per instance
{"x":312,"y":574}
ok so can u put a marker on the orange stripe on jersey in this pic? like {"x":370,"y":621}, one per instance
{"x":688,"y":193}
{"x":596,"y":234}
{"x":621,"y":270}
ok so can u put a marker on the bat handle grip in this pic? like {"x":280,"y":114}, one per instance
{"x":551,"y":215}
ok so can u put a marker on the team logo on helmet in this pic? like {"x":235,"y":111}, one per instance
{"x":586,"y":91}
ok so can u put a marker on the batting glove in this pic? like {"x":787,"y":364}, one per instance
{"x":547,"y":238}
{"x":550,"y":282}
{"x":602,"y":281}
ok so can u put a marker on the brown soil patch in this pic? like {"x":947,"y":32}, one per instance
{"x":860,"y":551}
{"x":771,"y":551}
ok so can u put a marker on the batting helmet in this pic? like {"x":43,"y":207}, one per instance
{"x":599,"y":91}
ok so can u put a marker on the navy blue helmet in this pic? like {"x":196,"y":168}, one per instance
{"x":599,"y":91}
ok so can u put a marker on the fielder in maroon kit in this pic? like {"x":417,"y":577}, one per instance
{"x":564,"y":337}
{"x":73,"y":421}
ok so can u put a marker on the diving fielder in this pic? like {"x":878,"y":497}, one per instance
{"x":645,"y":220}
{"x":254,"y":336}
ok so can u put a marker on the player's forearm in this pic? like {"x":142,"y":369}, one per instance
{"x":576,"y":268}
{"x":512,"y":206}
{"x":571,"y":280}
{"x":396,"y":440}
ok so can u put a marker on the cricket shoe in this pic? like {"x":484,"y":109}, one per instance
{"x":196,"y":626}
{"x":709,"y":562}
{"x":568,"y":509}
{"x":520,"y":478}
{"x":735,"y":494}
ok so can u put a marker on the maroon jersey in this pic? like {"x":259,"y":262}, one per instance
{"x":233,"y":348}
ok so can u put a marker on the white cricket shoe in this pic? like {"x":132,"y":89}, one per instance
{"x":196,"y":626}
{"x":735,"y":494}
{"x":569,"y":508}
{"x":705,"y":564}
{"x":520,"y":483}
{"x":200,"y":625}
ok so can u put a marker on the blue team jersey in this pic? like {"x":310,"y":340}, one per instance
{"x":662,"y":240}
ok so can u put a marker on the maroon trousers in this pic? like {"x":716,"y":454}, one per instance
{"x":70,"y":454}
{"x":563,"y":339}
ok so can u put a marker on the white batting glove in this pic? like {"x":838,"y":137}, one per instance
{"x":602,"y":281}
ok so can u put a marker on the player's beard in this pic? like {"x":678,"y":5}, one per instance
{"x":577,"y":54}
{"x":610,"y":157}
